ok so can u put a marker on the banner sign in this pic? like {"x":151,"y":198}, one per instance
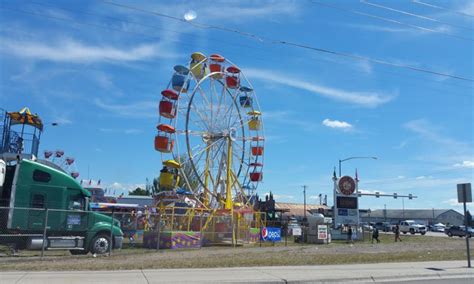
{"x":322,"y":232}
{"x":296,"y":232}
{"x":270,"y":234}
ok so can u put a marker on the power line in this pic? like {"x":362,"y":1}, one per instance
{"x":441,"y":8}
{"x":210,"y":38}
{"x":298,"y":45}
{"x":156,"y":27}
{"x":412,"y":14}
{"x":393,"y":21}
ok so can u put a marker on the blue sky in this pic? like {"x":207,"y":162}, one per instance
{"x":98,"y":70}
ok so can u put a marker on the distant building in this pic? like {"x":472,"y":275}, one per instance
{"x":140,"y":200}
{"x":296,"y":210}
{"x":425,"y":216}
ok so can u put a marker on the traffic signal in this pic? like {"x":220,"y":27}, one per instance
{"x":410,"y":196}
{"x":377,"y":194}
{"x":395,"y":195}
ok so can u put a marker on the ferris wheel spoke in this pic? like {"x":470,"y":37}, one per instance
{"x":207,"y":147}
{"x":191,"y":132}
{"x":203,"y":117}
{"x":203,"y":94}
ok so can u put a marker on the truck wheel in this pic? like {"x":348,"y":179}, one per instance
{"x":100,"y":244}
{"x":404,"y":233}
{"x":450,"y":234}
{"x":423,"y":233}
{"x":412,"y":231}
{"x":78,"y":252}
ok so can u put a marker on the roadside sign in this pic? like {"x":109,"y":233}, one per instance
{"x":296,"y":232}
{"x":322,"y":232}
{"x":464,"y":193}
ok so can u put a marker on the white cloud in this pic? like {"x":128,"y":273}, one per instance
{"x":468,"y":9}
{"x":440,"y":147}
{"x":141,"y":109}
{"x":337,"y":124}
{"x":371,"y":191}
{"x":68,"y":50}
{"x":280,"y":197}
{"x":365,"y":99}
{"x":452,"y":202}
{"x":465,"y":164}
{"x":116,"y":188}
{"x":124,"y":131}
{"x":412,"y":31}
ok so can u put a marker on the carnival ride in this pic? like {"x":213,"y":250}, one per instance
{"x":210,"y":136}
{"x":67,"y":164}
{"x":20,"y":138}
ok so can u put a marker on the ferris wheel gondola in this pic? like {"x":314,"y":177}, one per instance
{"x":211,"y":126}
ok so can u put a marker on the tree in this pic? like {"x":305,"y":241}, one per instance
{"x":140,"y":191}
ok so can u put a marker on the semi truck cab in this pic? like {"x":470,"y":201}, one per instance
{"x":38,"y":195}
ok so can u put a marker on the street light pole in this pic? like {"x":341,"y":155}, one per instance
{"x":350,"y":158}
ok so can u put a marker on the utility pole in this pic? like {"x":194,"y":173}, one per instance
{"x":304,"y":204}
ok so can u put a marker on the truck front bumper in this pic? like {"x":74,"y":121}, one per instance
{"x":118,"y":241}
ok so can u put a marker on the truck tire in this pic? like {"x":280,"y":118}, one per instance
{"x":412,"y":231}
{"x":450,"y":234}
{"x":78,"y":252}
{"x":100,"y":244}
{"x":404,"y":233}
{"x":423,"y":233}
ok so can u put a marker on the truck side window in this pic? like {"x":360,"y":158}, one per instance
{"x":41,"y":176}
{"x":37,"y":201}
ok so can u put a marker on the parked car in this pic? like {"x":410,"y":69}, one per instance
{"x":384,"y":226}
{"x":366,"y":226}
{"x":438,"y":227}
{"x":459,"y":231}
{"x":410,"y":226}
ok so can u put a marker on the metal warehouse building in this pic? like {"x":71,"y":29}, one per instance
{"x":425,"y":216}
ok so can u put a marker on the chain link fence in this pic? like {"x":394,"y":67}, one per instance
{"x":51,"y":232}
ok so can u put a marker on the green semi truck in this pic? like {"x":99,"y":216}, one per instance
{"x":39,"y":201}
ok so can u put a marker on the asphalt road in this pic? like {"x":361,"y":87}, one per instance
{"x":412,"y":272}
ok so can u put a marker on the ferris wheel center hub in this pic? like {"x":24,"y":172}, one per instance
{"x":214,"y":136}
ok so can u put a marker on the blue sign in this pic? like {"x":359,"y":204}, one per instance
{"x":342,"y":212}
{"x":270,"y":234}
{"x":73,"y":219}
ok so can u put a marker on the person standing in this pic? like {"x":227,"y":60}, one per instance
{"x":349,"y":234}
{"x":375,"y":235}
{"x":397,"y":233}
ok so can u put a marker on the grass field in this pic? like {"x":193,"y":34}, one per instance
{"x":413,"y":248}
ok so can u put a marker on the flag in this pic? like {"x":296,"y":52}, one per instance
{"x":98,"y":182}
{"x":90,"y":182}
{"x":357,"y":177}
{"x":81,"y":181}
{"x":334,"y":177}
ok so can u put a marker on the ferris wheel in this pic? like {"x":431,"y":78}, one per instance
{"x":210,"y":133}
